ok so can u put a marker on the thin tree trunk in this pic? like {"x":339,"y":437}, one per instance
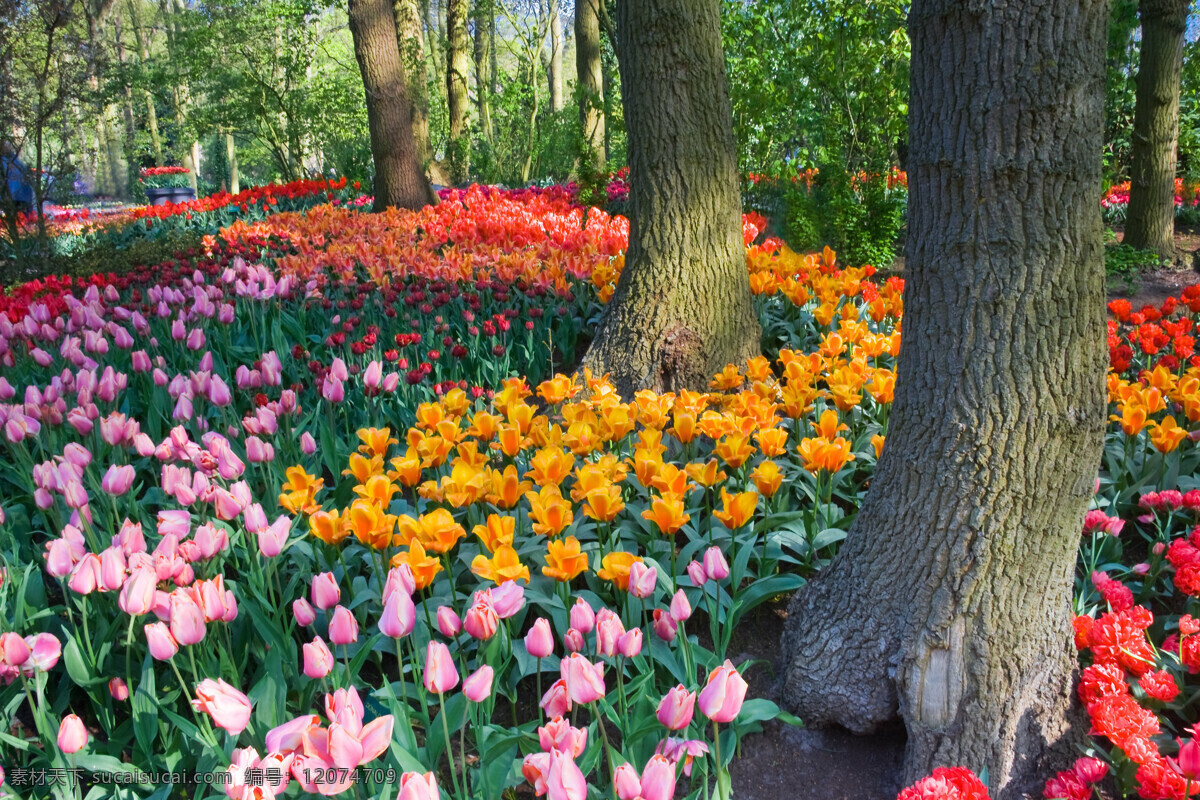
{"x":399,"y":180}
{"x":411,"y":37}
{"x":591,"y":81}
{"x":151,"y":112}
{"x":1151,"y":221}
{"x":556,"y":58}
{"x":682,"y":308}
{"x":458,"y":104}
{"x":484,"y":20}
{"x":235,"y":183}
{"x":949,"y":603}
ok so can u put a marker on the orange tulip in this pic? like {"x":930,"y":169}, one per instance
{"x":767,"y":478}
{"x":877,"y":443}
{"x":564,"y":559}
{"x":424,"y":568}
{"x":328,"y":526}
{"x":371,"y":524}
{"x":558,"y":388}
{"x":429,"y":415}
{"x":1166,"y":435}
{"x":464,"y":485}
{"x":734,"y":450}
{"x":484,"y":426}
{"x":707,"y":475}
{"x":727,"y":379}
{"x":375,"y":441}
{"x":670,"y":479}
{"x":685,"y":425}
{"x":503,"y":566}
{"x":667,"y":512}
{"x":550,"y":465}
{"x":604,"y":503}
{"x":772,"y":442}
{"x":588,"y":477}
{"x":406,"y":468}
{"x":509,"y":440}
{"x":653,"y":408}
{"x":439,"y":531}
{"x":738,"y":508}
{"x":828,"y":426}
{"x":378,"y":489}
{"x":497,"y":532}
{"x":507,"y":487}
{"x":550,"y":512}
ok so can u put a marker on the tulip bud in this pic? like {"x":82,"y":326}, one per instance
{"x":440,"y":674}
{"x":118,"y":690}
{"x":72,"y":735}
{"x":318,"y":661}
{"x":681,"y":609}
{"x":539,"y":642}
{"x":325,"y":591}
{"x":583,"y":619}
{"x":343,"y":627}
{"x":715,"y":565}
{"x":478,"y":686}
{"x":448,"y":622}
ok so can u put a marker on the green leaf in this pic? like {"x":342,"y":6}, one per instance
{"x":145,"y":709}
{"x":77,"y":668}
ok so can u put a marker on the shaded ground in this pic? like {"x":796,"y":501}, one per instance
{"x":801,"y":763}
{"x":1155,"y":286}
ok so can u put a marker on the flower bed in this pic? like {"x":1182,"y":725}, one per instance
{"x":248,"y":532}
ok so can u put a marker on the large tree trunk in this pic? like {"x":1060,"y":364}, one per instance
{"x":410,"y":35}
{"x":554,"y":71}
{"x":950,"y":601}
{"x":1151,"y":221}
{"x":458,"y":104}
{"x":399,"y":180}
{"x":591,"y":80}
{"x":682,"y":308}
{"x":235,"y":183}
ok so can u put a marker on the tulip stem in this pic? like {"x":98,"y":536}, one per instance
{"x":449,"y":745}
{"x":541,"y":711}
{"x":128,"y":649}
{"x":87,"y":637}
{"x":723,"y":792}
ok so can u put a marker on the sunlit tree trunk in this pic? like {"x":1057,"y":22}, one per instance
{"x":591,"y":80}
{"x":411,"y":37}
{"x":231,"y":158}
{"x":485,"y":21}
{"x":458,"y":104}
{"x":554,"y":73}
{"x":1150,"y":224}
{"x":682,"y":308}
{"x":949,"y":604}
{"x":399,"y":179}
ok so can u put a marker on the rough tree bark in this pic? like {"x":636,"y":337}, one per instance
{"x":410,"y":36}
{"x":458,"y":103}
{"x":949,"y":603}
{"x":682,"y":308}
{"x":591,"y":80}
{"x":1150,"y":224}
{"x":399,"y":180}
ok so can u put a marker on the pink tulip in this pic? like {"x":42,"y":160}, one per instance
{"x":85,"y":578}
{"x":642,"y":580}
{"x":399,"y":615}
{"x":507,"y":599}
{"x":440,"y":674}
{"x":676,"y":709}
{"x":565,"y":780}
{"x":481,"y":620}
{"x":399,"y":579}
{"x":219,"y":393}
{"x":583,"y":619}
{"x":187,"y":619}
{"x":556,"y":702}
{"x":681,"y":609}
{"x":112,"y":568}
{"x":478,"y":685}
{"x":695,"y":571}
{"x":557,"y":734}
{"x":721,"y":699}
{"x":303,"y":612}
{"x":162,"y":644}
{"x":630,"y":643}
{"x":415,"y":786}
{"x":118,"y":690}
{"x":715,"y":565}
{"x":229,"y":708}
{"x":59,"y":561}
{"x":1187,"y":763}
{"x":289,"y":736}
{"x":272,"y":540}
{"x":373,"y":378}
{"x":539,"y":642}
{"x":332,"y":389}
{"x":343,"y":627}
{"x":174,"y":522}
{"x":627,"y":782}
{"x":664,"y":627}
{"x":13,"y":649}
{"x":609,"y":629}
{"x":72,"y":735}
{"x":573,"y":640}
{"x":658,"y":779}
{"x":318,"y":661}
{"x":308,"y":445}
{"x":77,"y":456}
{"x":448,"y":622}
{"x":44,"y":652}
{"x":584,"y":680}
{"x":325,"y":591}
